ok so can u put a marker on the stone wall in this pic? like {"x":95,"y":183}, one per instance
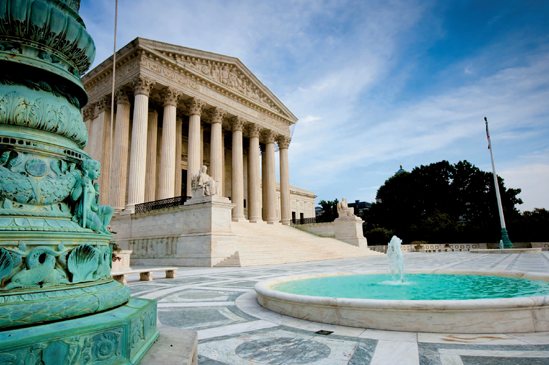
{"x":320,"y":229}
{"x":189,"y":235}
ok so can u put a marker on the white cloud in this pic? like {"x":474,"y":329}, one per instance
{"x":309,"y":119}
{"x":532,"y":179}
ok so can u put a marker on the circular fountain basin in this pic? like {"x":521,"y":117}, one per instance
{"x":492,"y":315}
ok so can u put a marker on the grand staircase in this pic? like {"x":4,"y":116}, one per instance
{"x":266,"y":244}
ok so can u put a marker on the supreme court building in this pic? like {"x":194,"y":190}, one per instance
{"x":178,"y":109}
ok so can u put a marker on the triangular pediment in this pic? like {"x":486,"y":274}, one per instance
{"x":228,"y":72}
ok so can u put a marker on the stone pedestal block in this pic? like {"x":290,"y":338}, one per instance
{"x":198,"y":233}
{"x":349,"y":230}
{"x":123,"y":261}
{"x":207,"y":231}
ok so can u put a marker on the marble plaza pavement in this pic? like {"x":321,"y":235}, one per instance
{"x":219,"y":303}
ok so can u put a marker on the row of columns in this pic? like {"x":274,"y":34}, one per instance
{"x":143,"y":162}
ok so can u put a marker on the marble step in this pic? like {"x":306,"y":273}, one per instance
{"x":263,"y":244}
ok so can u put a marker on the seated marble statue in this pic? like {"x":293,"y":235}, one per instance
{"x":203,"y":184}
{"x":343,"y":209}
{"x":88,"y":212}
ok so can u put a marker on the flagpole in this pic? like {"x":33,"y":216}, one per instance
{"x":504,"y":237}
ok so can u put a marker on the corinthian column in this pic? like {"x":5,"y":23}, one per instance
{"x":285,"y":210}
{"x":270,"y":178}
{"x":167,"y":150}
{"x":87,"y":115}
{"x":237,"y":181}
{"x":216,"y":148}
{"x":254,"y":191}
{"x":119,"y":168}
{"x":150,"y":171}
{"x":263,"y":181}
{"x":178,"y":142}
{"x":194,"y":108}
{"x":102,"y":136}
{"x":136,"y":185}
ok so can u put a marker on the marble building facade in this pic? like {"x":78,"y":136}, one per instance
{"x":177,"y":109}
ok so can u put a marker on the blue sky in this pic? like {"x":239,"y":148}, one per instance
{"x":376,"y":84}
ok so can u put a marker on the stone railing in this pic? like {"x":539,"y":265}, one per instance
{"x":160,"y":204}
{"x":434,"y":247}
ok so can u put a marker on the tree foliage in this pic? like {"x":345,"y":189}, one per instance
{"x":442,"y":202}
{"x":329,"y":210}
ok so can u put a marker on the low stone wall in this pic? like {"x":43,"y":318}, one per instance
{"x":320,"y":229}
{"x":383,"y":248}
{"x":435,"y":247}
{"x":348,"y":230}
{"x":543,"y":245}
{"x":190,"y":235}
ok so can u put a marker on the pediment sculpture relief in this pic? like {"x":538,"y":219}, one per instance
{"x":229,"y":75}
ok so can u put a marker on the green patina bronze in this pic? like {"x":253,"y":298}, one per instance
{"x":56,"y":291}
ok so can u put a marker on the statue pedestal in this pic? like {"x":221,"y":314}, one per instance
{"x":207,"y":234}
{"x":349,"y":230}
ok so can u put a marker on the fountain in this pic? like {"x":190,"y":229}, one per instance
{"x":58,"y":302}
{"x":428,"y":301}
{"x":396,"y":259}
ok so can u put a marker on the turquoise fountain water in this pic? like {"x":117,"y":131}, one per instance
{"x":414,"y":286}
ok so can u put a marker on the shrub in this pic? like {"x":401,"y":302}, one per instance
{"x":379,"y":236}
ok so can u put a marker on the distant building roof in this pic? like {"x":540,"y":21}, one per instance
{"x":401,"y":170}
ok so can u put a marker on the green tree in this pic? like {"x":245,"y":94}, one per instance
{"x":329,"y":210}
{"x":531,"y":226}
{"x":379,"y":236}
{"x":442,"y":202}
